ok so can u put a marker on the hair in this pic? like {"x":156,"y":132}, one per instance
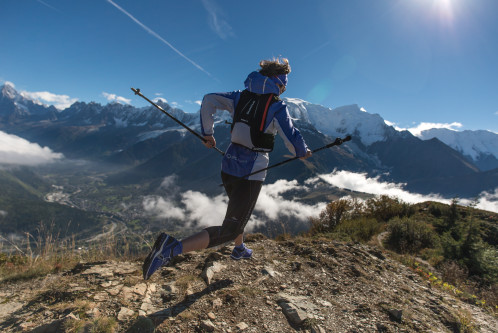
{"x":275,"y":66}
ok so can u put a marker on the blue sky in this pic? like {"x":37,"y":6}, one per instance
{"x":411,"y":61}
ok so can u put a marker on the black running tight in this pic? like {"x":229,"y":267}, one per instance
{"x":242,"y":197}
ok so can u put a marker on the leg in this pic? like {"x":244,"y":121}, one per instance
{"x":196,"y":242}
{"x":243,"y":195}
{"x":239,"y":240}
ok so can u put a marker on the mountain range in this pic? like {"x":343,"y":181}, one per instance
{"x":144,"y":144}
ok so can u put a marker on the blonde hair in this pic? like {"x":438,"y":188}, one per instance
{"x":275,"y":66}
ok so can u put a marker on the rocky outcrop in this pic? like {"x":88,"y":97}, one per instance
{"x":295,"y":285}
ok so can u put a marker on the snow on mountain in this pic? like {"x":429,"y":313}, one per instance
{"x":469,"y":143}
{"x":336,"y":122}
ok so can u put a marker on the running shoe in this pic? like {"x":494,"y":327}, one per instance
{"x":241,"y":252}
{"x":161,"y":254}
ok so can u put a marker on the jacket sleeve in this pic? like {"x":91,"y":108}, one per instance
{"x":213,"y":102}
{"x":292,"y":137}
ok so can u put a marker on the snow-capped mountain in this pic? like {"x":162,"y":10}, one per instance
{"x":153,"y":145}
{"x":479,"y":146}
{"x":15,"y":107}
{"x":337,"y":122}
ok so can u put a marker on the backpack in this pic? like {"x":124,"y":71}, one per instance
{"x":249,"y":120}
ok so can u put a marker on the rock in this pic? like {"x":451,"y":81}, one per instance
{"x":7,"y":308}
{"x":241,"y":326}
{"x":102,"y":271}
{"x":101,"y":296}
{"x":207,"y":325}
{"x":217,"y":303}
{"x":140,"y":289}
{"x":268,"y":270}
{"x":209,"y":270}
{"x":211,"y":316}
{"x":115,"y":291}
{"x":396,"y":314}
{"x":125,"y":314}
{"x":293,"y":313}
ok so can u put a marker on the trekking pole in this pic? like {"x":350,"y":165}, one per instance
{"x":137,"y":92}
{"x":337,"y":142}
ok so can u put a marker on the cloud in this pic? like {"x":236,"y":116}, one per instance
{"x":196,"y":207}
{"x":3,"y":213}
{"x":153,"y":33}
{"x":417,"y":131}
{"x":160,"y":99}
{"x":193,"y":102}
{"x":116,"y":98}
{"x":362,"y":183}
{"x":280,"y":200}
{"x":216,"y":21}
{"x":60,"y":102}
{"x":18,"y":151}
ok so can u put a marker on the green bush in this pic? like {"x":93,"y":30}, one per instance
{"x":410,"y":236}
{"x":383,"y":208}
{"x":361,"y":229}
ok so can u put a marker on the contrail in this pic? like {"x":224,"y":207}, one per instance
{"x":153,"y":33}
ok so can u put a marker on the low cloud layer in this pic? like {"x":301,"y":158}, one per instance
{"x":362,"y":183}
{"x":18,"y":151}
{"x":280,"y":200}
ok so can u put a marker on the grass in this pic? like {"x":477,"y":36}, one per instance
{"x":47,"y":253}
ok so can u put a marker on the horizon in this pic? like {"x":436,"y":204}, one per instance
{"x":416,"y":130}
{"x":413,"y":62}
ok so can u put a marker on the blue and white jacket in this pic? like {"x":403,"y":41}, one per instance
{"x":238,"y":160}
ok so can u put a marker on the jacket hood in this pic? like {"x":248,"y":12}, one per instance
{"x":260,"y":84}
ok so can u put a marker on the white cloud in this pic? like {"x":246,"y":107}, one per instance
{"x":116,"y":98}
{"x":3,"y":213}
{"x":426,"y":126}
{"x":193,"y":102}
{"x":60,"y":102}
{"x":362,"y":183}
{"x":18,"y":151}
{"x":157,"y":99}
{"x":277,"y":201}
{"x":162,"y":208}
{"x":216,"y":20}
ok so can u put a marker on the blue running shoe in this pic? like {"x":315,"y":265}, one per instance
{"x":165,"y":248}
{"x":241,"y":252}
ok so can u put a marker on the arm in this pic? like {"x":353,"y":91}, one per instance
{"x":213,"y":102}
{"x":292,"y":137}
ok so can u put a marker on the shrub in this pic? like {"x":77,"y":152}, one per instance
{"x":384,"y":208}
{"x":361,"y":229}
{"x":410,"y":236}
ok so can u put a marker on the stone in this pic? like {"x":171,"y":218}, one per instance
{"x":207,"y":325}
{"x":140,"y":289}
{"x":217,"y":303}
{"x":210,"y":269}
{"x":211,"y":316}
{"x":293,"y":313}
{"x":241,"y":326}
{"x":396,"y":314}
{"x":7,"y":308}
{"x":125,"y":314}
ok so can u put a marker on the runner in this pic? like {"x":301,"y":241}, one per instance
{"x":258,"y":114}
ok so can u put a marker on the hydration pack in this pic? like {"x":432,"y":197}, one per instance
{"x":249,"y":121}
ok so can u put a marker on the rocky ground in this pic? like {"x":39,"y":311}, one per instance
{"x":293,"y":285}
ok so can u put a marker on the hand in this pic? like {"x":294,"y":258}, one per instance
{"x":308,"y":154}
{"x":210,"y":141}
